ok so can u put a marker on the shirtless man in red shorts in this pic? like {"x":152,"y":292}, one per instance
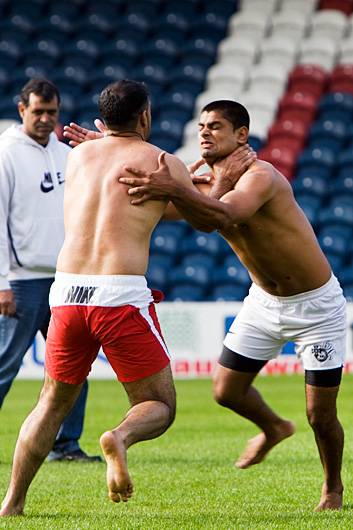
{"x":100,"y":298}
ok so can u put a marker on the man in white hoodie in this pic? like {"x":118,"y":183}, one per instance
{"x":32,"y":168}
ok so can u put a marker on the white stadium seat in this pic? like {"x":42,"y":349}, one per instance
{"x":318,"y":50}
{"x":279,"y":49}
{"x":225,"y":74}
{"x":292,"y":25}
{"x":240,"y":50}
{"x":345,"y":53}
{"x":302,"y":6}
{"x":329,"y":23}
{"x":249,"y":24}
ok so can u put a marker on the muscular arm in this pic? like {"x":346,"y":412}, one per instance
{"x":202,"y":211}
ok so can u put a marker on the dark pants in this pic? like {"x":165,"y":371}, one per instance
{"x":17,"y":335}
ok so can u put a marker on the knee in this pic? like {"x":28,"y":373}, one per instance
{"x":322,"y":422}
{"x":224,"y":395}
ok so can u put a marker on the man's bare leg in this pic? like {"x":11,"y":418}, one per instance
{"x":151,"y":413}
{"x":35,"y":440}
{"x":329,"y":436}
{"x":233,"y":390}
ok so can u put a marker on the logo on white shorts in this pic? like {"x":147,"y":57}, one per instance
{"x":323,"y":352}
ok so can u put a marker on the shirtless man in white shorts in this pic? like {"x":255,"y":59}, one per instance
{"x":294,"y":295}
{"x":100,"y":298}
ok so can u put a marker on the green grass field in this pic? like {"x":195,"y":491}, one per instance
{"x":186,"y":478}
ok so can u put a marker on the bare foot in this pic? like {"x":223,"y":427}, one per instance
{"x":8,"y":508}
{"x":258,"y":447}
{"x":330,"y":501}
{"x":118,"y":478}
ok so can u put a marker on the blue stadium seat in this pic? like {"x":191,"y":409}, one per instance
{"x":85,"y":31}
{"x":316,"y":159}
{"x":186,"y":293}
{"x":345,"y":160}
{"x":191,"y":76}
{"x":65,"y":8}
{"x":170,"y":128}
{"x":343,"y":185}
{"x":328,"y":133}
{"x":164,"y":241}
{"x":228,"y":293}
{"x":186,"y":8}
{"x":206,"y":260}
{"x":310,"y":185}
{"x":162,"y":260}
{"x":340,"y":214}
{"x":200,"y":47}
{"x":58,"y":29}
{"x":346,"y":275}
{"x":23,"y":23}
{"x":153,"y":75}
{"x":332,"y":240}
{"x":27,"y":8}
{"x":110,"y":9}
{"x":10,"y":54}
{"x":196,"y":274}
{"x":161,"y":50}
{"x":231,"y":273}
{"x":175,"y":21}
{"x":336,"y":106}
{"x":9,"y":33}
{"x":209,"y":243}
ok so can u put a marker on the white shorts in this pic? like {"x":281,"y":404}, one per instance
{"x":315,"y":321}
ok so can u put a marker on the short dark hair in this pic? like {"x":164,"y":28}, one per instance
{"x":40,"y":87}
{"x":120,"y":103}
{"x":231,"y":111}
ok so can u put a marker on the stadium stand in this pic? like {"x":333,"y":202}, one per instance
{"x":289,"y":62}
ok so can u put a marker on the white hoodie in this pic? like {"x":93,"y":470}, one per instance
{"x":31,"y":205}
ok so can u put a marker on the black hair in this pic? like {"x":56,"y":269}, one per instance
{"x":121,"y":103}
{"x":40,"y":87}
{"x":231,"y":111}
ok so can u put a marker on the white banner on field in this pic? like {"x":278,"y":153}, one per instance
{"x":194,"y":333}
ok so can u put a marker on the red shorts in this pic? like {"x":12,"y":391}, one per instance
{"x":130,"y":336}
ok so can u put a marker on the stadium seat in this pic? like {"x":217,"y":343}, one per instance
{"x":328,"y":23}
{"x":208,"y":243}
{"x":318,"y":50}
{"x":343,"y":185}
{"x":317,"y":159}
{"x":308,"y":78}
{"x":196,"y":274}
{"x":345,"y":6}
{"x":250,"y":25}
{"x":157,"y":276}
{"x":186,"y":293}
{"x":338,"y":215}
{"x":284,"y":131}
{"x":298,"y":106}
{"x":333,"y":240}
{"x":289,"y":24}
{"x":314,"y":185}
{"x":328,"y":133}
{"x":337,"y":106}
{"x":278,"y":49}
{"x":228,"y":293}
{"x":342,"y":77}
{"x":282,"y":157}
{"x":268,"y":79}
{"x":234,"y":274}
{"x":238,"y":50}
{"x":225,"y":73}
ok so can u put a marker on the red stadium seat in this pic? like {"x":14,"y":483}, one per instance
{"x":345,"y":6}
{"x":342,"y":79}
{"x":298,"y":106}
{"x":291,"y":133}
{"x":308,"y":78}
{"x":283,"y":158}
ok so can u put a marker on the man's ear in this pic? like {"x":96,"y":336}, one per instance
{"x":144,"y":118}
{"x":242,"y":135}
{"x":21,"y":108}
